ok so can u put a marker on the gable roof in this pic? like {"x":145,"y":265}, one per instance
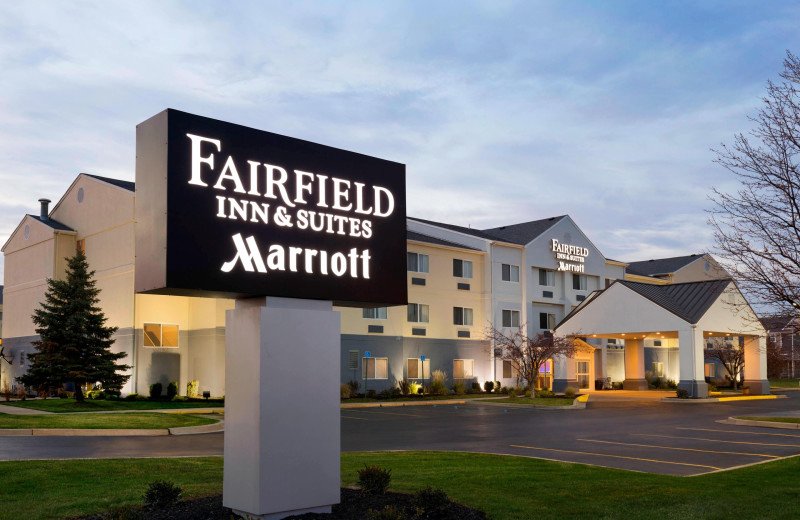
{"x":128,"y":185}
{"x":419,"y":237}
{"x":524,"y":232}
{"x":58,"y":226}
{"x":460,"y":229}
{"x":779,"y":323}
{"x":661,"y":265}
{"x":689,"y":301}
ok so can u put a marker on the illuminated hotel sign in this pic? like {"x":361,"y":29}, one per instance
{"x":223,"y":209}
{"x":570,"y":258}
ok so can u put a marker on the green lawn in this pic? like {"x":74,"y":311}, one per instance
{"x":538,"y":401}
{"x":795,"y":420}
{"x":91,"y":405}
{"x":103,"y":421}
{"x":505,"y":487}
{"x":784,"y":383}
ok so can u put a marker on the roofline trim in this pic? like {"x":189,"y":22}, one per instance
{"x":88,"y":176}
{"x":442,"y":246}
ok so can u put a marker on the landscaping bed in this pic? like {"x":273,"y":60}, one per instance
{"x":537,"y":401}
{"x":103,"y":421}
{"x":354,"y":505}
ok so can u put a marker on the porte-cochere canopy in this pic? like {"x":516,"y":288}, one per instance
{"x":689,"y":312}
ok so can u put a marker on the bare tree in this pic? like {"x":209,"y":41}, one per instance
{"x":528,"y":354}
{"x":757,"y":228}
{"x":730,"y":355}
{"x":777,"y":359}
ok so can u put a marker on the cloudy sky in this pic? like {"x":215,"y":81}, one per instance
{"x":502,"y":111}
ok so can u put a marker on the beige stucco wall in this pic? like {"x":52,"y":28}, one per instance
{"x":696,"y":271}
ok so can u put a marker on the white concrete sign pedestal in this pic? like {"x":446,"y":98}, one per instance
{"x":282,"y":429}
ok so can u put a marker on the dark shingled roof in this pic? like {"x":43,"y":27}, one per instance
{"x":128,"y":185}
{"x":523,"y":233}
{"x":419,"y":237}
{"x":688,"y":301}
{"x":469,"y":231}
{"x":661,"y":265}
{"x":58,"y":226}
{"x":520,"y":234}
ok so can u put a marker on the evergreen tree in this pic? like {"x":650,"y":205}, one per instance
{"x":75,"y":344}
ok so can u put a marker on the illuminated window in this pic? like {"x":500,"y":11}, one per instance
{"x":418,"y":313}
{"x":582,"y":373}
{"x":417,"y":263}
{"x":374,"y":368}
{"x":547,"y":278}
{"x":414,"y":365}
{"x":509,"y":273}
{"x":579,"y":282}
{"x":547,"y":321}
{"x":510,"y":318}
{"x":506,"y":369}
{"x":462,"y":268}
{"x":160,"y":335}
{"x":462,"y":316}
{"x":378,"y":313}
{"x":80,"y":246}
{"x":462,"y":368}
{"x":710,"y":370}
{"x":658,"y":369}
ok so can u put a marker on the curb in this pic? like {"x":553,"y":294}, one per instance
{"x":99,"y":432}
{"x":761,"y":424}
{"x":722,"y":399}
{"x":577,"y":404}
{"x":403,"y":403}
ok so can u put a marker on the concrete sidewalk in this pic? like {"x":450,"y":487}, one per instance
{"x":16,"y":410}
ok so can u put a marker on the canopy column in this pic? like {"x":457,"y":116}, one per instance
{"x":564,"y":373}
{"x":755,"y":365}
{"x":634,"y":365}
{"x":692,"y":362}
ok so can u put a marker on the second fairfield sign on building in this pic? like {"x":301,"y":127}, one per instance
{"x":226,"y":210}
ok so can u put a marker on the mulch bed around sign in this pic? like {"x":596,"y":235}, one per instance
{"x":354,"y":506}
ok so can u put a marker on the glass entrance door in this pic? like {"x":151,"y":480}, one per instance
{"x":582,"y":373}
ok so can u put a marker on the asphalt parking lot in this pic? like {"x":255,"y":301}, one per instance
{"x":652,"y":436}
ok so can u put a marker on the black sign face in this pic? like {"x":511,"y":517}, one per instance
{"x":226,"y":210}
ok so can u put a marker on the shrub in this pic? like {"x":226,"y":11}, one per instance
{"x":172,"y":389}
{"x":387,"y":513}
{"x":414,"y":387}
{"x":458,"y":387}
{"x":527,"y":393}
{"x":374,"y":480}
{"x":192,"y":388}
{"x":433,"y":501}
{"x":672,"y":384}
{"x":162,"y":494}
{"x":438,"y":382}
{"x":512,"y":392}
{"x":497,"y":386}
{"x":504,"y":390}
{"x":682,"y":394}
{"x":179,"y":398}
{"x":344,"y":391}
{"x":385,"y":394}
{"x":131,"y":397}
{"x":405,"y":386}
{"x":616,"y":385}
{"x":476,"y":386}
{"x":569,"y":392}
{"x":712,"y":387}
{"x":155,"y":390}
{"x":353,"y":387}
{"x":544,"y":392}
{"x":371,"y":393}
{"x":395,"y":392}
{"x":488,"y":386}
{"x":96,"y":394}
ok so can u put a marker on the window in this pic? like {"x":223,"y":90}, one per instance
{"x":545,"y":378}
{"x":159,"y":335}
{"x":611,"y":341}
{"x":510,"y":273}
{"x":352,"y":360}
{"x":462,"y":316}
{"x":80,"y":246}
{"x":462,"y":268}
{"x":462,"y":368}
{"x":579,"y":282}
{"x":418,"y":313}
{"x":378,"y":313}
{"x":414,"y":365}
{"x":547,"y":278}
{"x":374,"y":368}
{"x":417,"y":263}
{"x":710,"y":370}
{"x":658,"y":369}
{"x":656,"y":342}
{"x":506,"y":369}
{"x":510,"y":318}
{"x":547,"y":321}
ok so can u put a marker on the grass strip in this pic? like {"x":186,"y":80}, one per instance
{"x":793,"y":420}
{"x":414,"y":399}
{"x":103,"y":421}
{"x":100,"y":405}
{"x":784,"y":383}
{"x":507,"y":488}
